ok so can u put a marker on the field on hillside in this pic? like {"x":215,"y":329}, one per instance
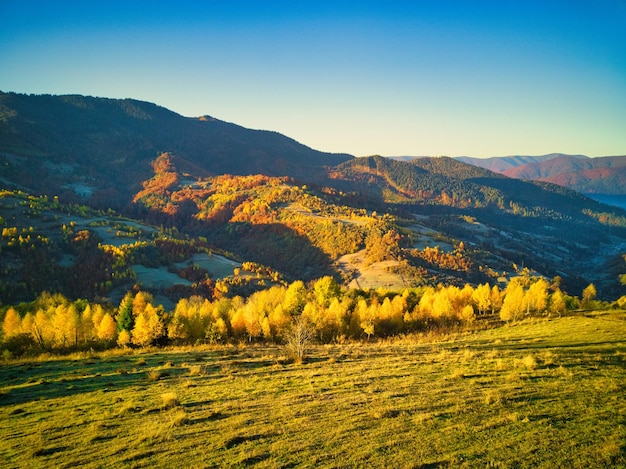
{"x":544,"y":393}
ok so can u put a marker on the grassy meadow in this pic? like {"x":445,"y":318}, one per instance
{"x":540,"y":393}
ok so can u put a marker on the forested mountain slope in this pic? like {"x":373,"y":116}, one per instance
{"x":105,"y":146}
{"x":261,"y":197}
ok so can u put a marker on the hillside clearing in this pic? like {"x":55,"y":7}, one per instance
{"x":376,"y":275}
{"x":217,"y":265}
{"x":536,"y":394}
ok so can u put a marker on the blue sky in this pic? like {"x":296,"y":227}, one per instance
{"x":476,"y":78}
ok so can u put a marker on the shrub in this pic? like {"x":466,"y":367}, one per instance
{"x":18,"y":345}
{"x":179,"y":418}
{"x":529,"y":362}
{"x":169,"y":400}
{"x":154,"y":375}
{"x":197,"y":370}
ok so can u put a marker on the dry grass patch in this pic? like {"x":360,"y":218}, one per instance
{"x":130,"y":407}
{"x":549,"y":358}
{"x":178,"y":418}
{"x":529,"y":362}
{"x":501,"y":365}
{"x":457,"y":373}
{"x":154,"y":375}
{"x":563,"y":372}
{"x":493,"y":397}
{"x":169,"y":400}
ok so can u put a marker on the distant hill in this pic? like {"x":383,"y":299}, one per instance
{"x":106,"y":145}
{"x":500,"y":164}
{"x":602,"y":175}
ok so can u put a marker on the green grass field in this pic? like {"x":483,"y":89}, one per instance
{"x":543,"y":393}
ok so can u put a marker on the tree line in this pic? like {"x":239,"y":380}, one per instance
{"x":53,"y":323}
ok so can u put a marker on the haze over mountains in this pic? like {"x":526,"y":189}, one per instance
{"x":260,"y":196}
{"x":601,"y":175}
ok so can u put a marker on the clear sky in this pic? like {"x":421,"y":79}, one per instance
{"x":476,"y":78}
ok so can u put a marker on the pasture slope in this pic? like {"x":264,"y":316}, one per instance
{"x":540,"y":393}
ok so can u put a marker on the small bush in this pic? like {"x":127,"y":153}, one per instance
{"x":169,"y":400}
{"x":458,"y":373}
{"x":529,"y":362}
{"x":188,"y":383}
{"x":197,"y":370}
{"x":493,"y":396}
{"x":18,"y":345}
{"x":154,"y":375}
{"x":179,"y":418}
{"x":548,"y":358}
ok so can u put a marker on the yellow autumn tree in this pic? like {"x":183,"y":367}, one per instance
{"x":178,"y":327}
{"x":87,"y":330}
{"x":368,"y":316}
{"x":295,"y":298}
{"x":537,"y":296}
{"x":238,"y":322}
{"x":325,"y":289}
{"x":12,"y":324}
{"x":337,"y":317}
{"x":425,"y":305}
{"x":482,"y":297}
{"x":41,"y":329}
{"x":496,"y":299}
{"x":557,"y":302}
{"x":107,"y":329}
{"x":513,"y":305}
{"x":279,"y":320}
{"x":140,"y":301}
{"x":390,"y":315}
{"x":442,"y":305}
{"x":140,"y":335}
{"x":63,"y":325}
{"x":97,"y":313}
{"x":148,"y":327}
{"x":123,"y":338}
{"x":314,"y":315}
{"x":467,"y":313}
{"x":252,"y":321}
{"x":28,"y":322}
{"x":589,"y":294}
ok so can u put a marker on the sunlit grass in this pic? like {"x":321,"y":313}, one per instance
{"x":537,"y":394}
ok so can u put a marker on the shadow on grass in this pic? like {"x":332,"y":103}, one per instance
{"x":522,"y":344}
{"x":240,"y":439}
{"x":212,"y":417}
{"x":49,"y":451}
{"x":33,"y":381}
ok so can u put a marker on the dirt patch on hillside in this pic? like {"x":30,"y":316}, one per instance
{"x":375,"y":275}
{"x":218,"y":266}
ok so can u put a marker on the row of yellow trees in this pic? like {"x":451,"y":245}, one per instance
{"x":334,"y":314}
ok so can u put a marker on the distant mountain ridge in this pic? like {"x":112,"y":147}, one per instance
{"x":500,"y":164}
{"x":99,"y":140}
{"x":601,"y":175}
